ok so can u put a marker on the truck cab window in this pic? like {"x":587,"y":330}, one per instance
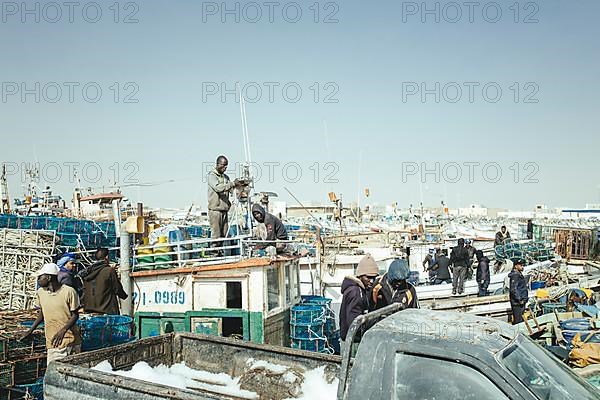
{"x":434,"y":379}
{"x":542,"y":374}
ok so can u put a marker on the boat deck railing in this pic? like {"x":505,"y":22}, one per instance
{"x":200,"y":251}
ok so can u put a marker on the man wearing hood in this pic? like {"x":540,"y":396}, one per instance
{"x":354,"y":293}
{"x":67,"y":273}
{"x":101,"y":286}
{"x":483,"y":273}
{"x":393,"y":287}
{"x":518,"y":291}
{"x":459,"y":259}
{"x":275,"y":230}
{"x":441,"y":265}
{"x":471,"y":251}
{"x":501,"y":236}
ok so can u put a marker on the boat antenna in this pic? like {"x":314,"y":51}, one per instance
{"x":305,"y":209}
{"x":245,"y":173}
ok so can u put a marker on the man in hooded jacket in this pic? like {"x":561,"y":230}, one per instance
{"x":471,"y":251}
{"x":393,"y":287}
{"x":101,"y":286}
{"x":483,"y":273}
{"x":355,"y":293}
{"x":275,"y":228}
{"x":441,"y":264}
{"x":518,"y":291}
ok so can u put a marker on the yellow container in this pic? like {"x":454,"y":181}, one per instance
{"x":159,"y":251}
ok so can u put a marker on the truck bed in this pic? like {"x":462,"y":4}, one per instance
{"x":73,"y":378}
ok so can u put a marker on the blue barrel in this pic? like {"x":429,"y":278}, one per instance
{"x":576,"y":324}
{"x":538,"y":285}
{"x":587,"y":336}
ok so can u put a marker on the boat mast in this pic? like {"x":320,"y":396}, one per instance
{"x":245,"y":173}
{"x":5,"y":205}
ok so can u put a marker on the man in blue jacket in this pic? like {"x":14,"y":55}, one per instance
{"x":518,"y":291}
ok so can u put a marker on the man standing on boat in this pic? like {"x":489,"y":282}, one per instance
{"x":219,"y":188}
{"x":441,"y":266}
{"x":459,"y":259}
{"x":529,"y":229}
{"x":471,"y":250}
{"x":518,"y":291}
{"x":428,"y":265}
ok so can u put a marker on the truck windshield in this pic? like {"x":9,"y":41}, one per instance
{"x":545,"y":376}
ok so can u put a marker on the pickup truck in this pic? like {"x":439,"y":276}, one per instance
{"x":409,"y":354}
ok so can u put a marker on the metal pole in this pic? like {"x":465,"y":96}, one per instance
{"x":125,"y":268}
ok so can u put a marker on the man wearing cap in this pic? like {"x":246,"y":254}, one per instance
{"x":58,"y":310}
{"x":354,"y":293}
{"x":518,"y":291}
{"x":393,"y":287}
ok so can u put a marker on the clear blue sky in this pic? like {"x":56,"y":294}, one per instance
{"x":370,"y":57}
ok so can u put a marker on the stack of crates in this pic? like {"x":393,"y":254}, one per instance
{"x":312,"y":325}
{"x":22,"y":365}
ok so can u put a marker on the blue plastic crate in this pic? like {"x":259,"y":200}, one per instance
{"x":308,"y":314}
{"x":316,"y":345}
{"x":303,"y":332}
{"x":31,"y":391}
{"x":103,"y":331}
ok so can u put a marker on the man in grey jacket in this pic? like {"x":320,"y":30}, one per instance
{"x":219,"y":188}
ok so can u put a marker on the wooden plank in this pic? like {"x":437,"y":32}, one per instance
{"x":252,"y":262}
